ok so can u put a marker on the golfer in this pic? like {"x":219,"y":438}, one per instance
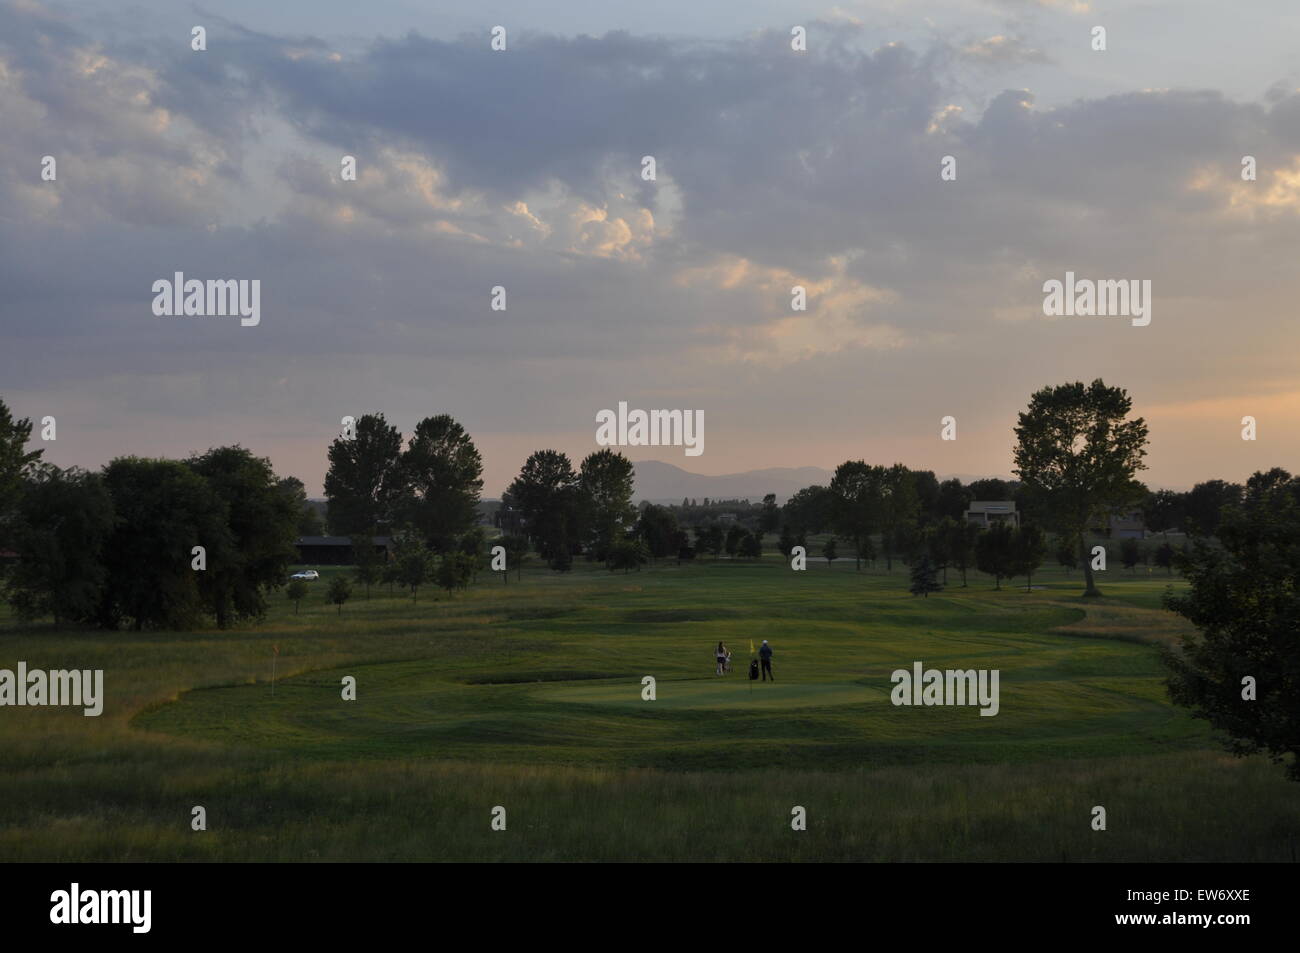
{"x":765,"y":654}
{"x":722,"y":656}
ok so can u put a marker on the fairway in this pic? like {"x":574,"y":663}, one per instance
{"x":530,"y":694}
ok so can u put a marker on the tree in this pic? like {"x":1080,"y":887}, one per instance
{"x":990,"y":488}
{"x":62,"y":522}
{"x":547,"y":496}
{"x":1067,"y":556}
{"x":787,"y":542}
{"x":296,"y":591}
{"x":391,"y":574}
{"x":1130,"y":553}
{"x":253,"y":557}
{"x":606,"y":481}
{"x":1162,"y":511}
{"x":414,"y":563}
{"x":735,"y":533}
{"x":1243,"y":597}
{"x":309,"y":521}
{"x":1165,"y":557}
{"x":751,"y":546}
{"x":516,"y":548}
{"x":709,"y":540}
{"x":828,"y":551}
{"x":1077,"y":456}
{"x":909,"y":541}
{"x":339,"y":592}
{"x":938,"y":541}
{"x":954,"y":500}
{"x":926,"y":485}
{"x":864,"y":548}
{"x":163,"y":510}
{"x":627,"y":554}
{"x":682,"y":543}
{"x":995,"y":553}
{"x":16,"y":464}
{"x":441,"y":477}
{"x":925,"y":578}
{"x":899,"y":509}
{"x":856,"y":490}
{"x":1029,"y":546}
{"x":365,"y":481}
{"x":810,"y":510}
{"x":658,"y":527}
{"x":962,"y":538}
{"x":1205,"y":503}
{"x":368,"y":565}
{"x":769,"y":517}
{"x":455,"y":570}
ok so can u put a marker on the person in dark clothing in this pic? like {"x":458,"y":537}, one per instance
{"x":765,"y":655}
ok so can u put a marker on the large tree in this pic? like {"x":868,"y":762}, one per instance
{"x":442,"y":479}
{"x":309,"y":521}
{"x":657,"y":526}
{"x":856,"y":491}
{"x":810,"y":510}
{"x":1241,"y":671}
{"x":262,"y":522}
{"x":163,"y":510}
{"x":1205,"y":503}
{"x":365,"y":479}
{"x":954,"y":499}
{"x":900,"y":509}
{"x":547,"y":497}
{"x":605,"y":483}
{"x":995,"y":552}
{"x":16,"y":463}
{"x":64,"y":518}
{"x":1163,"y":510}
{"x":1077,"y":456}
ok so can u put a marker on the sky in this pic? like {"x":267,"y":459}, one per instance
{"x":774,"y":168}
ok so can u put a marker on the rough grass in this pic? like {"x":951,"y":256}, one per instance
{"x":528,"y":696}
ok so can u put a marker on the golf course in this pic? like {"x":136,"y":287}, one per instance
{"x":528,"y":694}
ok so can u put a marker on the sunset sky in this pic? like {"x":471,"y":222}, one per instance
{"x":775,"y":168}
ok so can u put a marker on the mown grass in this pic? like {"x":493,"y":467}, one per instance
{"x":528,"y":695}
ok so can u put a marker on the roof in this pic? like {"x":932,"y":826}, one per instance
{"x":992,"y":506}
{"x":336,"y":540}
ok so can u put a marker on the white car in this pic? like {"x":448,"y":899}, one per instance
{"x":308,"y":574}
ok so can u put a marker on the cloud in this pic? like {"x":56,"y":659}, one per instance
{"x":1002,"y":51}
{"x":522,"y":169}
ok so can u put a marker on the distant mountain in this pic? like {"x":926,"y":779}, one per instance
{"x":664,"y":483}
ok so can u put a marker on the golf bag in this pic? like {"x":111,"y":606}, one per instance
{"x":753,"y":670}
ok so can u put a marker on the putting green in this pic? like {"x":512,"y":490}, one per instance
{"x":732,"y":691}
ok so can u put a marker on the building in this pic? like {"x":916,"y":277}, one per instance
{"x":1127,"y":526}
{"x":335,"y":550}
{"x":987,"y":512}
